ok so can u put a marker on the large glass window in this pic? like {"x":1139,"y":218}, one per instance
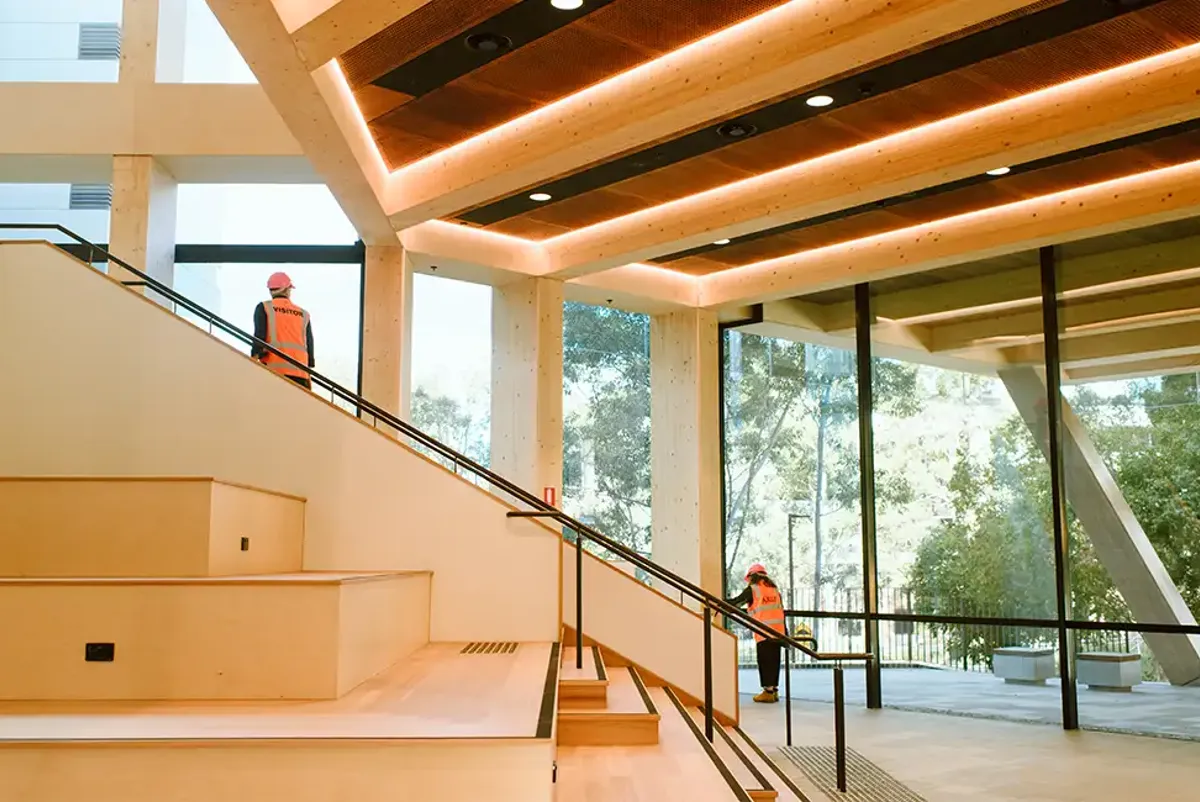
{"x":330,"y":293}
{"x":606,"y":423}
{"x":63,"y":40}
{"x":1131,"y":448}
{"x":452,"y":363}
{"x":792,"y":477}
{"x":82,"y":208}
{"x":261,"y":214}
{"x":208,"y":54}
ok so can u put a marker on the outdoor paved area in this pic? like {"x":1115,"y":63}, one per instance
{"x":1150,"y":709}
{"x":946,"y":759}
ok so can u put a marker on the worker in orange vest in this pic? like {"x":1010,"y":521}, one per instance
{"x":765,"y":605}
{"x":286,"y":327}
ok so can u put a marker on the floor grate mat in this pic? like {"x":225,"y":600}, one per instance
{"x":865,"y":782}
{"x":489,"y":648}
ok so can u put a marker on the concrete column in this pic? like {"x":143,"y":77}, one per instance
{"x":685,"y":506}
{"x":387,"y":330}
{"x":142,"y":229}
{"x":527,"y":383}
{"x":152,"y":34}
{"x":1120,"y":542}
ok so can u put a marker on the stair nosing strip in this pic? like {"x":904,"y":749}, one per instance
{"x":741,"y":793}
{"x":786,"y":780}
{"x":763,"y":783}
{"x":546,"y":716}
{"x":601,"y":673}
{"x":645,"y":694}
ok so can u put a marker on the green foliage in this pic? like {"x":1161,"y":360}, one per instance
{"x":444,"y":419}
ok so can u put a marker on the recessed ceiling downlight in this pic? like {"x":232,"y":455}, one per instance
{"x":488,"y":42}
{"x":819,"y":101}
{"x":736,"y":130}
{"x":541,"y":197}
{"x":1000,"y":171}
{"x":566,"y":5}
{"x":722,"y":241}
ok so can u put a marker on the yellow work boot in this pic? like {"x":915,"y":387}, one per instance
{"x":767,"y":697}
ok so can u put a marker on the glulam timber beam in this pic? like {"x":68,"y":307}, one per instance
{"x":1113,"y":348}
{"x":797,"y":45}
{"x":1144,"y":95}
{"x":1137,"y":369}
{"x":1120,"y":269}
{"x":794,"y":320}
{"x":1121,"y":311}
{"x":317,"y":108}
{"x":1122,"y":204}
{"x":325,"y":29}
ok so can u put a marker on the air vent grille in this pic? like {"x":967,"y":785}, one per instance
{"x":91,"y":196}
{"x":489,"y":648}
{"x":99,"y":41}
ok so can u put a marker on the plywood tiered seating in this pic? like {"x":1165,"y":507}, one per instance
{"x":145,"y":615}
{"x":627,"y":716}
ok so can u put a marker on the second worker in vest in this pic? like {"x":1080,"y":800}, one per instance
{"x":286,"y":327}
{"x":765,"y":605}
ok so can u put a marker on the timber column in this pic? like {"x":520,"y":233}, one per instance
{"x":142,"y":229}
{"x":527,"y":384}
{"x":685,"y":443}
{"x":387,"y":330}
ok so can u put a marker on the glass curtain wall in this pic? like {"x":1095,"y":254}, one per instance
{"x":791,"y":485}
{"x":452,"y":363}
{"x":76,"y":41}
{"x":1131,"y":445}
{"x":606,"y":424}
{"x":964,"y":527}
{"x":85,"y":208}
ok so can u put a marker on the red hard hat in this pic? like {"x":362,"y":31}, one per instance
{"x":279,"y":281}
{"x":757,"y":568}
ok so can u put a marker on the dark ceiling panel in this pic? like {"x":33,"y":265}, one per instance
{"x":1152,"y":150}
{"x":641,"y":178}
{"x":610,"y":39}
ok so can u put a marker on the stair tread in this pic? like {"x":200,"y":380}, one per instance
{"x":437,"y":692}
{"x":298,"y":578}
{"x":624,"y":698}
{"x":737,"y":763}
{"x":785,"y":794}
{"x":675,"y":768}
{"x":591,"y":672}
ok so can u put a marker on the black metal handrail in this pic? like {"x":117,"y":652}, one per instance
{"x":541,"y":509}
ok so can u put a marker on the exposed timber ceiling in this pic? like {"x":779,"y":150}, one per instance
{"x":660,"y":154}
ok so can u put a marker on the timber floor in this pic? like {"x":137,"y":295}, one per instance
{"x":677,"y":767}
{"x":437,"y":692}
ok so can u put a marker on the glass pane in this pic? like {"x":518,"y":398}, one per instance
{"x":1131,"y":440}
{"x":76,"y":41}
{"x":208,"y":54}
{"x":330,"y":293}
{"x":452,"y":364}
{"x":606,"y":425}
{"x":261,"y":214}
{"x":53,"y":203}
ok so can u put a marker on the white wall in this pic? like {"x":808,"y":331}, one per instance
{"x":117,"y":386}
{"x":39,"y":40}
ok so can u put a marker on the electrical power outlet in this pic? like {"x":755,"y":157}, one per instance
{"x":245,"y":544}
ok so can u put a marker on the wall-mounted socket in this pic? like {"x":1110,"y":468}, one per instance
{"x":99,"y":652}
{"x":245,"y":544}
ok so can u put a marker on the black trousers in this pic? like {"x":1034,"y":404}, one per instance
{"x":769,"y":654}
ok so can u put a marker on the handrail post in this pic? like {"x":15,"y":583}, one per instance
{"x":708,"y":679}
{"x":578,"y":601}
{"x":839,"y":725}
{"x":787,"y":690}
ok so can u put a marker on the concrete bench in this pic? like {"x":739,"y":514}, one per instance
{"x":1108,"y":671}
{"x":1023,"y":665}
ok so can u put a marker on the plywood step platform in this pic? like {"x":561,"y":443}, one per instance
{"x":629,"y":716}
{"x":735,"y":754}
{"x":787,"y":788}
{"x":583,"y":687}
{"x":445,"y":723}
{"x":677,"y":767}
{"x":279,"y":636}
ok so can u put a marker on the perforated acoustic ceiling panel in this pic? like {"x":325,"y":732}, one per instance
{"x":412,"y":115}
{"x":1157,"y":28}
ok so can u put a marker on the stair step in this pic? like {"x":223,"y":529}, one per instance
{"x":283,"y":636}
{"x":629,"y":717}
{"x":733,"y":753}
{"x":787,"y":789}
{"x":586,"y":687}
{"x":146,"y":527}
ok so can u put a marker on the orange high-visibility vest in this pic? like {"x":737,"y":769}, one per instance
{"x":287,"y":330}
{"x":767,"y":608}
